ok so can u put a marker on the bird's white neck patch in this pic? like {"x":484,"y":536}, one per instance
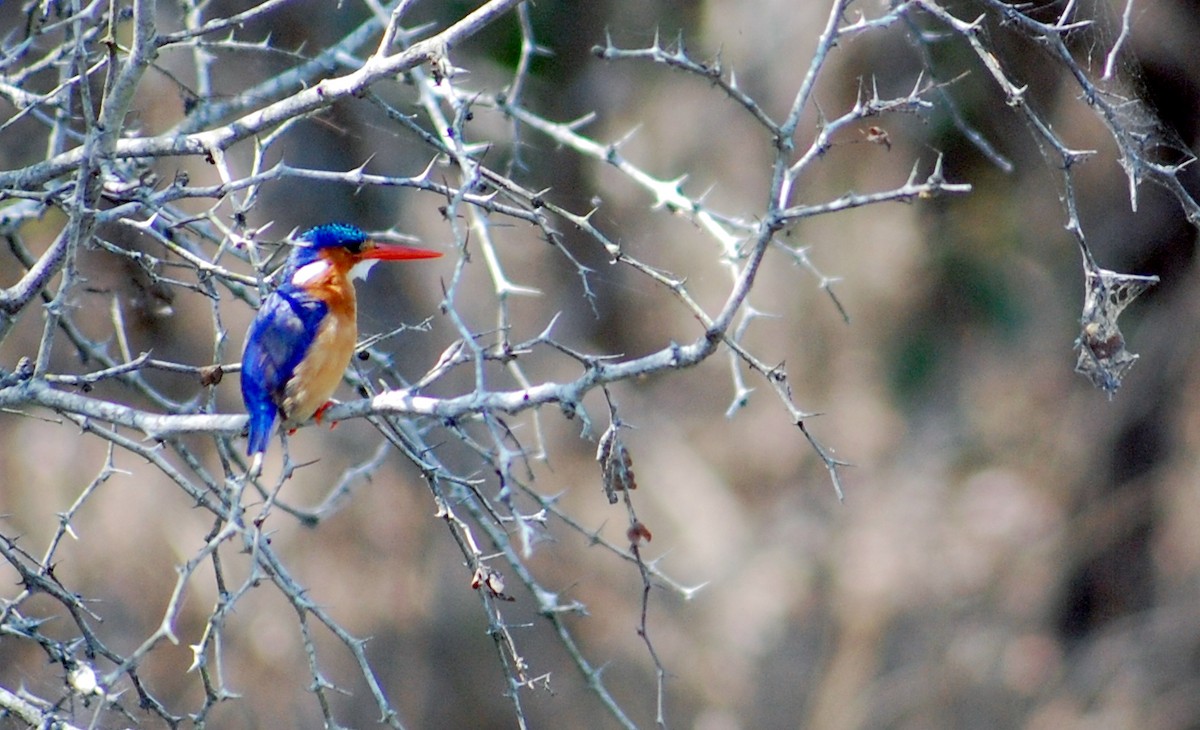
{"x":310,"y":272}
{"x":359,"y":270}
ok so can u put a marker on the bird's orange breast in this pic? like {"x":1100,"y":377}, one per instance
{"x":318,"y":374}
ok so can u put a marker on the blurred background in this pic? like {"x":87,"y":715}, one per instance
{"x":1014,"y":549}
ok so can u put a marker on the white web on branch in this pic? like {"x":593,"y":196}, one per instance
{"x":1103,"y":357}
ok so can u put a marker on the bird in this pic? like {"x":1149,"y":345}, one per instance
{"x":300,"y":342}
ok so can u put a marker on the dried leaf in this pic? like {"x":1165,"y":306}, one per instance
{"x":879,"y":135}
{"x":211,"y":375}
{"x":638,"y":532}
{"x":490,"y":579}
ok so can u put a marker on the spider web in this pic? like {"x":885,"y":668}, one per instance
{"x":1103,"y":357}
{"x":1105,"y":50}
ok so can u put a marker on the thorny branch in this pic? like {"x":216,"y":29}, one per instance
{"x":118,"y":192}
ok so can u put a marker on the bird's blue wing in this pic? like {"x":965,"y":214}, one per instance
{"x":281,"y":334}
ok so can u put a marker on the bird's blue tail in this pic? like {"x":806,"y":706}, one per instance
{"x":262,"y":419}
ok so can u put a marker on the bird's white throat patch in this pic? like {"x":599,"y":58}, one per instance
{"x":359,"y":270}
{"x":309,"y":272}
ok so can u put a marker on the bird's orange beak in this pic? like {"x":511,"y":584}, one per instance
{"x":394,"y":252}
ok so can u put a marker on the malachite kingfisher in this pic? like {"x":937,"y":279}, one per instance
{"x":300,"y":343}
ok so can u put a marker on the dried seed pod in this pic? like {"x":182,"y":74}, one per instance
{"x":616,"y":465}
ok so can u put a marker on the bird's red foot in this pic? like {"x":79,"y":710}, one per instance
{"x":320,"y":413}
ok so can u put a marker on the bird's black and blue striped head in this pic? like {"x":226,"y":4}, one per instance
{"x":327,"y":236}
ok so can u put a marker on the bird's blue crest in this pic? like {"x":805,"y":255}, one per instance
{"x":332,"y":235}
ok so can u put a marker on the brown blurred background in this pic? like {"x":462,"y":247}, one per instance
{"x":1014,"y":549}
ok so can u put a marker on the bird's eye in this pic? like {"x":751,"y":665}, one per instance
{"x":355,"y":246}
